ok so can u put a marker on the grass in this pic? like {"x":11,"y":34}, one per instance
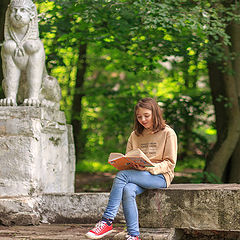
{"x":92,"y":166}
{"x":190,"y":163}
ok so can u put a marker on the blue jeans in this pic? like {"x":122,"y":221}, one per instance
{"x":126,"y":186}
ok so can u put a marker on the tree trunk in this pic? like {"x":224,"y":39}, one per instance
{"x":223,"y":83}
{"x":234,"y":164}
{"x":3,"y":8}
{"x":76,"y":121}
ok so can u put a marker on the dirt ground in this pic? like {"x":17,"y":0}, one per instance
{"x":102,"y":182}
{"x":93,"y":182}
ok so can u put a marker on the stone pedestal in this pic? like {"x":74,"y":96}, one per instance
{"x":36,"y":152}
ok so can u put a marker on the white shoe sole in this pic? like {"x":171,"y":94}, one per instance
{"x":93,"y":236}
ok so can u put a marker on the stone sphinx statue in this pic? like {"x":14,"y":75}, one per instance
{"x":26,"y":80}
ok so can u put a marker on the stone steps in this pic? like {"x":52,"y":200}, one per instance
{"x":76,"y":232}
{"x":151,"y":234}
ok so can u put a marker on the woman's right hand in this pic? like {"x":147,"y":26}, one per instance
{"x":139,"y":167}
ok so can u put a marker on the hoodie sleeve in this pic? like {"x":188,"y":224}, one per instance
{"x":129,"y":144}
{"x":169,"y":157}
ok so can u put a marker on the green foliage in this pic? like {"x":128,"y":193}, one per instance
{"x":185,"y":113}
{"x":190,"y":163}
{"x":205,"y":177}
{"x":135,"y":49}
{"x":92,"y":166}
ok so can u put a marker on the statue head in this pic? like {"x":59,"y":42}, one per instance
{"x":28,"y":4}
{"x":21,"y":13}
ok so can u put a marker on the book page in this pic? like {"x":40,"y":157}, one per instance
{"x":137,"y":153}
{"x":122,"y":162}
{"x":114,"y":156}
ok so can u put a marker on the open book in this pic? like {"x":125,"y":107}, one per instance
{"x":124,"y":162}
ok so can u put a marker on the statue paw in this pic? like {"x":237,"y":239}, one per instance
{"x":31,"y":102}
{"x":8,"y":102}
{"x":46,"y":103}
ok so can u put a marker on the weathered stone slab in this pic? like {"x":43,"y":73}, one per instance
{"x":19,"y":211}
{"x":151,"y":234}
{"x":55,"y":208}
{"x":75,"y":208}
{"x":190,"y":234}
{"x":196,"y":209}
{"x":37,"y":152}
{"x":192,"y":206}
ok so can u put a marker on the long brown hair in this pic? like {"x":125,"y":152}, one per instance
{"x":158,"y":121}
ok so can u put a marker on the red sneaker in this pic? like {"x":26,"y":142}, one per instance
{"x":100,"y":230}
{"x":132,"y":238}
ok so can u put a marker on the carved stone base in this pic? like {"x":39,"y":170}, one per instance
{"x":36,"y":152}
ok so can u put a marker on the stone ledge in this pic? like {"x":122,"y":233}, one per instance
{"x":19,"y":211}
{"x":151,"y":234}
{"x":192,"y":206}
{"x":54,"y":208}
{"x":23,"y":112}
{"x":75,"y":208}
{"x":203,"y":187}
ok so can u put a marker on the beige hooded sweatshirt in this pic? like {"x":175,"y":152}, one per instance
{"x":160,"y":148}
